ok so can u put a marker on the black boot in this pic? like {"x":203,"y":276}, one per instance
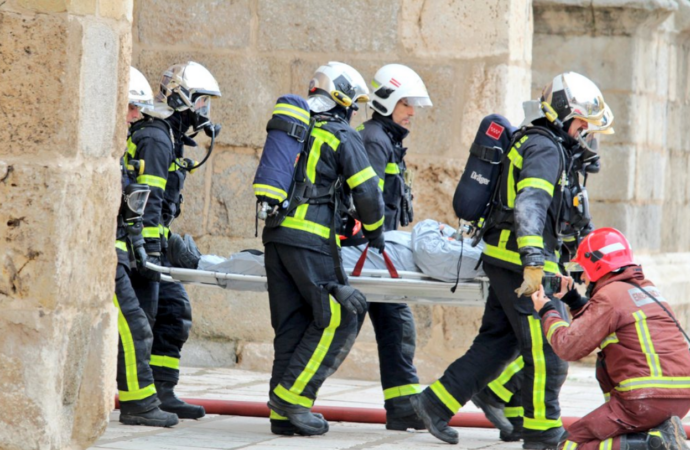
{"x":543,"y":440}
{"x":170,"y":402}
{"x":670,"y":435}
{"x":516,"y":434}
{"x":286,"y":428}
{"x":433,"y":419}
{"x":400,"y":415}
{"x":306,"y":422}
{"x":493,"y":411}
{"x":152,"y":418}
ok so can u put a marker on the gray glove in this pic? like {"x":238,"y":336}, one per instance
{"x":379,"y":243}
{"x":350,"y":298}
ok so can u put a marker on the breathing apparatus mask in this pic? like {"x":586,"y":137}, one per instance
{"x":134,"y":199}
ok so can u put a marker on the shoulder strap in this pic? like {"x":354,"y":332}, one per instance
{"x":662,"y":307}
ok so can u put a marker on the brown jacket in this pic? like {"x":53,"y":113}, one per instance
{"x":643,"y":354}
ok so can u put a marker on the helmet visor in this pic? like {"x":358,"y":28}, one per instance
{"x":202,"y":106}
{"x":573,"y":266}
{"x":136,"y":201}
{"x":419,"y":102}
{"x":319,"y":103}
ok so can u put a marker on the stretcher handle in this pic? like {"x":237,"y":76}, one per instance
{"x":386,"y":259}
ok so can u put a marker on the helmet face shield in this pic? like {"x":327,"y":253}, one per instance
{"x":135,"y":197}
{"x":202,"y":106}
{"x":573,"y":96}
{"x":418,"y":102}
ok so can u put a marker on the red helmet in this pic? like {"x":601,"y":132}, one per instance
{"x":603,"y":251}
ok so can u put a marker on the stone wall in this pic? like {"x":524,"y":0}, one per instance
{"x":64,"y":68}
{"x":474,"y":57}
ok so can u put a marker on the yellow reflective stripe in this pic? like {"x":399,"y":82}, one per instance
{"x":269,"y":191}
{"x":401,"y":391}
{"x":569,"y":445}
{"x":610,"y":339}
{"x":503,"y":239}
{"x":151,"y":232}
{"x":540,"y":424}
{"x":165,"y":232}
{"x":515,"y":157}
{"x":292,"y":398}
{"x":301,"y":211}
{"x":511,"y":186}
{"x":131,"y":148}
{"x":139,"y":394}
{"x":646,"y":343}
{"x":447,"y":399}
{"x":513,"y":412}
{"x":603,"y":445}
{"x":654,"y":433}
{"x":321,"y":350}
{"x":165,"y":361}
{"x":152,"y":181}
{"x":275,"y":416}
{"x":537,"y":183}
{"x":292,"y":111}
{"x":497,"y":386}
{"x":360,"y":177}
{"x":554,"y":327}
{"x":654,"y":382}
{"x":514,"y":257}
{"x":568,"y":238}
{"x":373,"y":226}
{"x":128,"y":348}
{"x":539,"y":388}
{"x":381,"y":184}
{"x":306,"y":225}
{"x":392,"y":169}
{"x":327,"y":137}
{"x":121,"y":245}
{"x":314,"y":156}
{"x":530,"y":241}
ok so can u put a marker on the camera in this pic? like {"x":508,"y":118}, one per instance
{"x":552,"y":284}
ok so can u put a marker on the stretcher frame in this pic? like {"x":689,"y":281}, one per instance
{"x":377,"y":285}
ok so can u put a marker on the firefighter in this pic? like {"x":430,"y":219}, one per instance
{"x":187,"y":89}
{"x":136,"y":389}
{"x":501,"y":400}
{"x":643,"y":366}
{"x":522,"y":236}
{"x":313,"y":310}
{"x":397,"y":91}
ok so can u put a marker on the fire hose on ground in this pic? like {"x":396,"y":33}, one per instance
{"x":342,"y":413}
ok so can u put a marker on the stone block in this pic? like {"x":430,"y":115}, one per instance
{"x":356,"y":26}
{"x":434,"y":185}
{"x":207,"y":353}
{"x":651,"y":175}
{"x":205,"y":25}
{"x":250,"y":86}
{"x":83,"y":7}
{"x":41,"y":87}
{"x":196,"y":196}
{"x":45,"y":6}
{"x":615,"y":215}
{"x":257,"y":356}
{"x":232,"y":202}
{"x":651,"y":58}
{"x":464,"y":30}
{"x":674,"y":235}
{"x":625,"y":119}
{"x":118,"y":9}
{"x":648,"y":226}
{"x":617,"y":179}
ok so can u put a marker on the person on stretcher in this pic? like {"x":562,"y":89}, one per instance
{"x":431,"y":248}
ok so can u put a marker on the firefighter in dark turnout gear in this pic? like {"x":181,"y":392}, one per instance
{"x":313,"y":310}
{"x":522,"y":239}
{"x":188,"y":89}
{"x":397,"y":90}
{"x":136,"y":389}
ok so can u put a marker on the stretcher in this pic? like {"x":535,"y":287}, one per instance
{"x":377,"y":285}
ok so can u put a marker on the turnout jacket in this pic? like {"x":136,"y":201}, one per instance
{"x":150,"y":141}
{"x":336,"y":152}
{"x":383,"y":142}
{"x":643,"y":354}
{"x":524,"y":229}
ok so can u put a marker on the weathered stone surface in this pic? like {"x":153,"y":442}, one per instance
{"x":314,"y":26}
{"x":45,"y":6}
{"x":196,"y":192}
{"x":207,"y":24}
{"x":87,"y":7}
{"x":651,"y":172}
{"x":116,"y":9}
{"x":617,"y":179}
{"x":207,"y":353}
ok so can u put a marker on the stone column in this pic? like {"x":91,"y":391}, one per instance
{"x":637,"y":54}
{"x":64,"y":66}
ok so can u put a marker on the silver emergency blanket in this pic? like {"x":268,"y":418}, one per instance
{"x":430,"y":249}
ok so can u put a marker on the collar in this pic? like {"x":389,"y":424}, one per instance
{"x":631,"y":273}
{"x":395,"y":131}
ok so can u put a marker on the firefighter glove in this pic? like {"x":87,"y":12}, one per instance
{"x":379,"y":243}
{"x":153,"y":258}
{"x":531,"y":280}
{"x":350,"y":298}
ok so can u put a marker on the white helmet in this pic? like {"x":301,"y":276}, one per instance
{"x":188,"y":86}
{"x":392,"y":83}
{"x":336,"y":84}
{"x":573,"y":96}
{"x":140,"y":93}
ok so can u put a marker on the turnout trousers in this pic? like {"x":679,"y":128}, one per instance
{"x":602,"y":428}
{"x":396,"y":339}
{"x":508,"y":329}
{"x":135,"y":386}
{"x":313,"y":334}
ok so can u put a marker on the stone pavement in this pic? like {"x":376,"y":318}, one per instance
{"x":580,"y":395}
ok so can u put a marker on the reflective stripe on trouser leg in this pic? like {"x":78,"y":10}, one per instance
{"x":544,"y":374}
{"x":171,"y":330}
{"x":503,"y":386}
{"x":445,"y":397}
{"x":134,"y":379}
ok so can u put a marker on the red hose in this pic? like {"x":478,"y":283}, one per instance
{"x":342,"y":413}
